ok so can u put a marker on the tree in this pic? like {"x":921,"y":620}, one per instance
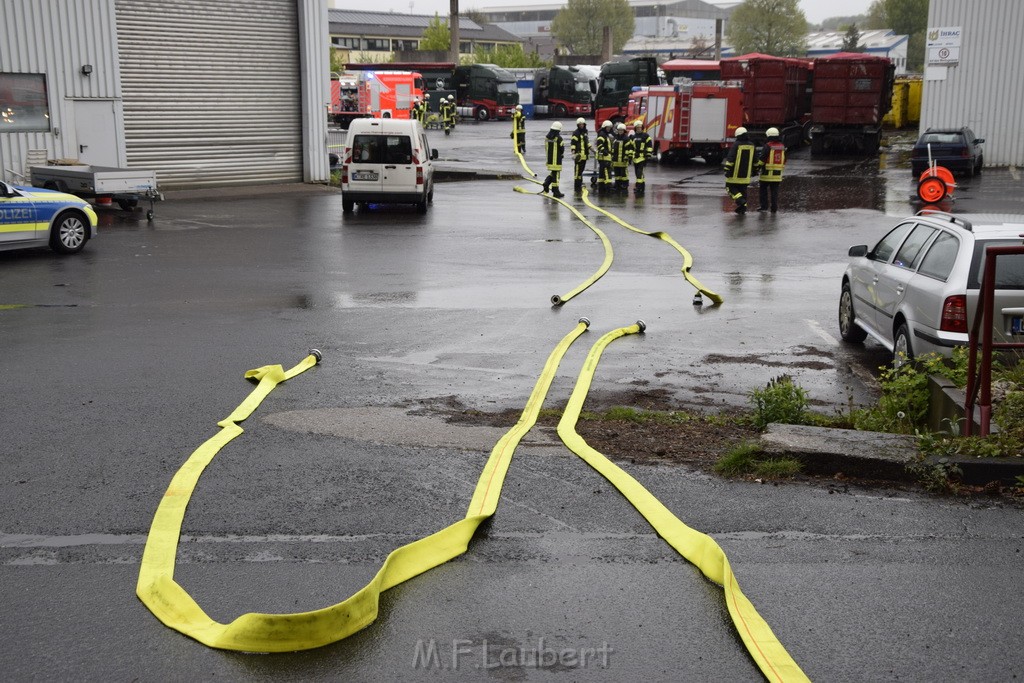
{"x":476,"y":16}
{"x":436,"y":36}
{"x":851,"y":41}
{"x":774,"y":27}
{"x":904,"y":17}
{"x":580,"y":25}
{"x":510,"y":57}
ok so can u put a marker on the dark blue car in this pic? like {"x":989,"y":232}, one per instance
{"x":956,"y":149}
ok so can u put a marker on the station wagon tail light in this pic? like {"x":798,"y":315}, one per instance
{"x":419,"y":175}
{"x":954,"y":314}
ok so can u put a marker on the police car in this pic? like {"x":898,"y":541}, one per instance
{"x":33,"y":217}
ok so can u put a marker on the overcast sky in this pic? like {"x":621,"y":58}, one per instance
{"x":815,"y":10}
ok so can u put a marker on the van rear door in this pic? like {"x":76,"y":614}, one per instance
{"x":399,"y":170}
{"x":366,"y":172}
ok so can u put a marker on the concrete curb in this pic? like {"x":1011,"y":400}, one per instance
{"x":874,"y":455}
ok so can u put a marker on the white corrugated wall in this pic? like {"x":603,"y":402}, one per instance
{"x":986,"y":89}
{"x":56,"y":38}
{"x":212,"y":90}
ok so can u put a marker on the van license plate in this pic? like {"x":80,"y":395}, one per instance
{"x":364,"y":175}
{"x":1015,"y":325}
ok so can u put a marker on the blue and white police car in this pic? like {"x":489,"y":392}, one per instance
{"x":34,"y":217}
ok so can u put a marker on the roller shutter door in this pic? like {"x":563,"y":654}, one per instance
{"x":211,"y":90}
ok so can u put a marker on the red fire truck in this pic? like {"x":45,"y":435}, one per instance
{"x":374,"y":94}
{"x":689,"y":119}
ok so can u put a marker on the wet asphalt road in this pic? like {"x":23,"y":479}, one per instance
{"x":119,"y":361}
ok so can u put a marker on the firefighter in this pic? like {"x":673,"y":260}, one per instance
{"x":452,"y":111}
{"x":443,"y":108}
{"x":519,"y":129}
{"x":622,"y":154}
{"x":643,"y":150}
{"x":424,"y":108}
{"x":770,"y":161}
{"x":739,"y":164}
{"x":555,"y":149}
{"x":581,"y":150}
{"x":603,"y":145}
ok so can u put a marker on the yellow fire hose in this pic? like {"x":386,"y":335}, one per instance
{"x":665,"y":237}
{"x":559,"y":299}
{"x":699,"y":549}
{"x":255,"y":632}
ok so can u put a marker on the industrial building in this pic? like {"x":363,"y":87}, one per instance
{"x":365,"y":36}
{"x":687,"y":22}
{"x":878,"y":42}
{"x":973,"y":52}
{"x":204,"y":93}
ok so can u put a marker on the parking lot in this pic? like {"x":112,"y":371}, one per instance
{"x":122,"y":359}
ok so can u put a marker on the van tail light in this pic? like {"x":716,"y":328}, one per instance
{"x":344,"y":174}
{"x":419,"y":175}
{"x":954,"y":314}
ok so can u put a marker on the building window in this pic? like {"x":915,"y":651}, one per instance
{"x":382,"y":44}
{"x":488,"y":47}
{"x":465,"y":46}
{"x":345,"y":43}
{"x":405,"y":45}
{"x":23,"y":103}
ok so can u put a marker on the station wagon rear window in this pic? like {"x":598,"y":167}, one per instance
{"x":1009,"y":269}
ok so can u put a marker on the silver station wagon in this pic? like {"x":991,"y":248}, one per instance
{"x":916,"y":291}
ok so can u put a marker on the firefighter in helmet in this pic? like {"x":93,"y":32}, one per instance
{"x":603,"y":145}
{"x":581,"y":150}
{"x":643,"y":150}
{"x":555,"y":148}
{"x":739,"y":164}
{"x":443,"y":106}
{"x":622,"y":154}
{"x":519,"y":129}
{"x":771,"y":159}
{"x":452,"y":111}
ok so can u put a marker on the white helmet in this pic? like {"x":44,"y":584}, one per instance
{"x":519,"y":107}
{"x":620,"y":127}
{"x":581,"y":121}
{"x":557,"y":125}
{"x":772,"y":132}
{"x":451,"y":97}
{"x":741,"y":131}
{"x":606,"y":124}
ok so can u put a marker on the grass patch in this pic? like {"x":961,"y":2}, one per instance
{"x":749,"y":459}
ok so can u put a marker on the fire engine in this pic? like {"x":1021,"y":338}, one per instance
{"x":691,"y":119}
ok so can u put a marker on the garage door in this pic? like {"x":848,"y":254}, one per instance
{"x":211,"y":90}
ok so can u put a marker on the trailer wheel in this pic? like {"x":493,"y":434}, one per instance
{"x":149,"y":215}
{"x":127,"y":204}
{"x":482,"y":114}
{"x":931,"y":190}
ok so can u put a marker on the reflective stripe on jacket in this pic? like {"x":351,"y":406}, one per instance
{"x":580,"y":144}
{"x":555,"y":148}
{"x":772,"y":160}
{"x":740,"y":163}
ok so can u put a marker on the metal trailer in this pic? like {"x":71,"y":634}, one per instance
{"x":126,"y":186}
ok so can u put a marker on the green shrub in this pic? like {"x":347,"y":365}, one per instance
{"x":780,"y":401}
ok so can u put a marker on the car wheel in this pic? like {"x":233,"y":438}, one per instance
{"x":981,"y":164}
{"x":848,"y":329}
{"x":902,"y":351}
{"x":430,"y":194}
{"x":347,"y":205}
{"x":69,"y":233}
{"x":421,"y":206}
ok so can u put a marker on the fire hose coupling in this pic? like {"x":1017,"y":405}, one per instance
{"x":585,"y":321}
{"x":316,"y":354}
{"x":642,"y":325}
{"x":556,"y":300}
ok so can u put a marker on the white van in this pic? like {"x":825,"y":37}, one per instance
{"x":387,"y":161}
